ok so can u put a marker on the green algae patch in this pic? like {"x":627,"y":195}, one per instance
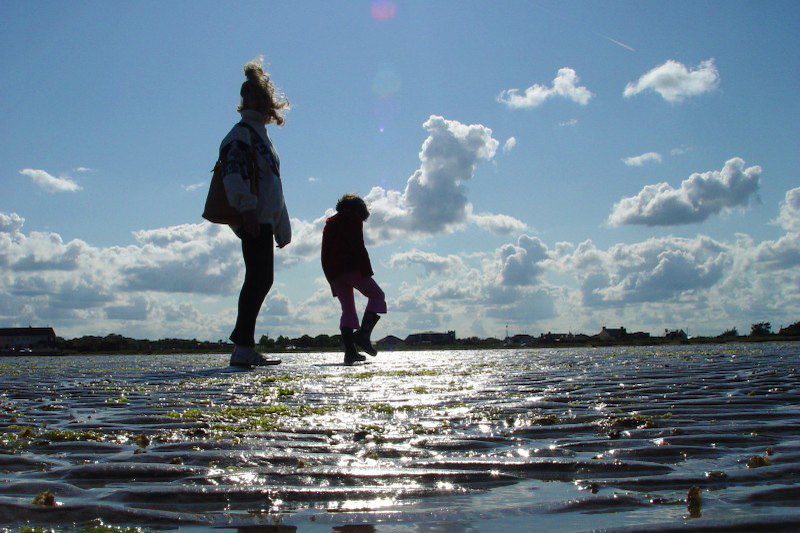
{"x":278,"y":379}
{"x":394,"y":374}
{"x":282,"y":393}
{"x":547,"y":420}
{"x":60,"y":435}
{"x":635,"y":420}
{"x":45,"y":499}
{"x":122,"y":400}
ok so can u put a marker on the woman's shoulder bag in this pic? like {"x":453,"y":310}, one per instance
{"x":217,"y":208}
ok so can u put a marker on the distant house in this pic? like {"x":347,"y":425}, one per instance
{"x":793,"y":329}
{"x":19,"y":338}
{"x":612,"y":334}
{"x":675,"y":335}
{"x":639,"y":335}
{"x":389,"y":341}
{"x":431,"y":337}
{"x":521,"y":340}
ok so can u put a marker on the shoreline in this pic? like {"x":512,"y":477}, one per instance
{"x":225,"y":348}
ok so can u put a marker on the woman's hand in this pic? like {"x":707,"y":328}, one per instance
{"x":250,"y":223}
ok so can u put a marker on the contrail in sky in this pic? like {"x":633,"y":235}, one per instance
{"x":618,"y":43}
{"x":623,"y":45}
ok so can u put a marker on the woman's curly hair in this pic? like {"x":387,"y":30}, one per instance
{"x":354,"y":204}
{"x":259,"y":93}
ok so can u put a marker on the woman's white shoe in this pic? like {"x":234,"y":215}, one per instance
{"x":244,"y":356}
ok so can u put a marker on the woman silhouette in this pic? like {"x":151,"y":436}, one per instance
{"x":264,"y":215}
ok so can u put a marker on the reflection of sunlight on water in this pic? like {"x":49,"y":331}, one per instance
{"x":414,"y":433}
{"x":245,"y":478}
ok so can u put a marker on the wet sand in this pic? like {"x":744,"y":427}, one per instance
{"x":567,"y":440}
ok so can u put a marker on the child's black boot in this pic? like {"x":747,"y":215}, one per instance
{"x":362,"y":336}
{"x":351,"y":355}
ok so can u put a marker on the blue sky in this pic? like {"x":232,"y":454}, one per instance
{"x":141,"y":94}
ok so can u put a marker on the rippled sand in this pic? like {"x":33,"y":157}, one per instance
{"x":566,"y":440}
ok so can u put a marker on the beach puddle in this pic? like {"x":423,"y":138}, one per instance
{"x":569,"y":440}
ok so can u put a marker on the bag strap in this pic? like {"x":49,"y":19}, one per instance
{"x":272,"y":155}
{"x":253,"y":157}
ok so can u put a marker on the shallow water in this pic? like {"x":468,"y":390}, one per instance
{"x":568,"y":440}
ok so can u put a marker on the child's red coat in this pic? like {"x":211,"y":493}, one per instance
{"x":343,"y":247}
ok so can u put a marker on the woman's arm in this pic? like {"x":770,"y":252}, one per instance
{"x":283,"y":228}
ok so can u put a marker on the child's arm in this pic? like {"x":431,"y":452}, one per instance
{"x":361,"y":255}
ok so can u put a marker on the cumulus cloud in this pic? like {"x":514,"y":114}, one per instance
{"x":497,"y":223}
{"x":509,"y":145}
{"x":789,"y":217}
{"x":674,"y":82}
{"x":568,"y":123}
{"x":507,"y":285}
{"x":435,"y":197}
{"x":565,"y":85}
{"x":700,"y":196}
{"x":783,"y":253}
{"x":655,"y":270}
{"x":431,"y":262}
{"x":639,"y":160}
{"x":522,"y":263}
{"x":49,"y":183}
{"x":135,"y":309}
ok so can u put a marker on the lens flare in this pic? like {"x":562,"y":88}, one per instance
{"x":383,"y":10}
{"x":386,"y":83}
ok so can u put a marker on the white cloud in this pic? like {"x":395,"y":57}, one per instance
{"x":509,"y":145}
{"x":781,"y":254}
{"x":674,"y":82}
{"x":568,"y":123}
{"x":134,"y":309}
{"x":84,"y":170}
{"x":435,"y":197}
{"x":639,"y":160}
{"x":698,"y":197}
{"x":789,"y":217}
{"x":564,"y":85}
{"x":680,"y":151}
{"x":312,"y":179}
{"x":655,"y":270}
{"x":431,"y":262}
{"x":522,"y":263}
{"x":656,"y":283}
{"x":194,"y":186}
{"x":500,"y":224}
{"x":49,"y":183}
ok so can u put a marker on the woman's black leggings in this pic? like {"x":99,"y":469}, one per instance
{"x":258,"y":263}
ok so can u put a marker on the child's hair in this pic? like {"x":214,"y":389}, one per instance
{"x":260,"y":94}
{"x":353,"y":203}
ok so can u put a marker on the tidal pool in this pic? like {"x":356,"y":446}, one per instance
{"x":514,"y":440}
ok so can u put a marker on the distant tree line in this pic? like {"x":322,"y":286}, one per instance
{"x":115,"y":343}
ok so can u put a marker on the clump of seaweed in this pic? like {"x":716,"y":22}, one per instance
{"x":45,"y":499}
{"x":757,"y":461}
{"x":547,"y":420}
{"x":694,"y":502}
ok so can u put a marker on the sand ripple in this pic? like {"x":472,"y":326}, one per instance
{"x":574,"y":439}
